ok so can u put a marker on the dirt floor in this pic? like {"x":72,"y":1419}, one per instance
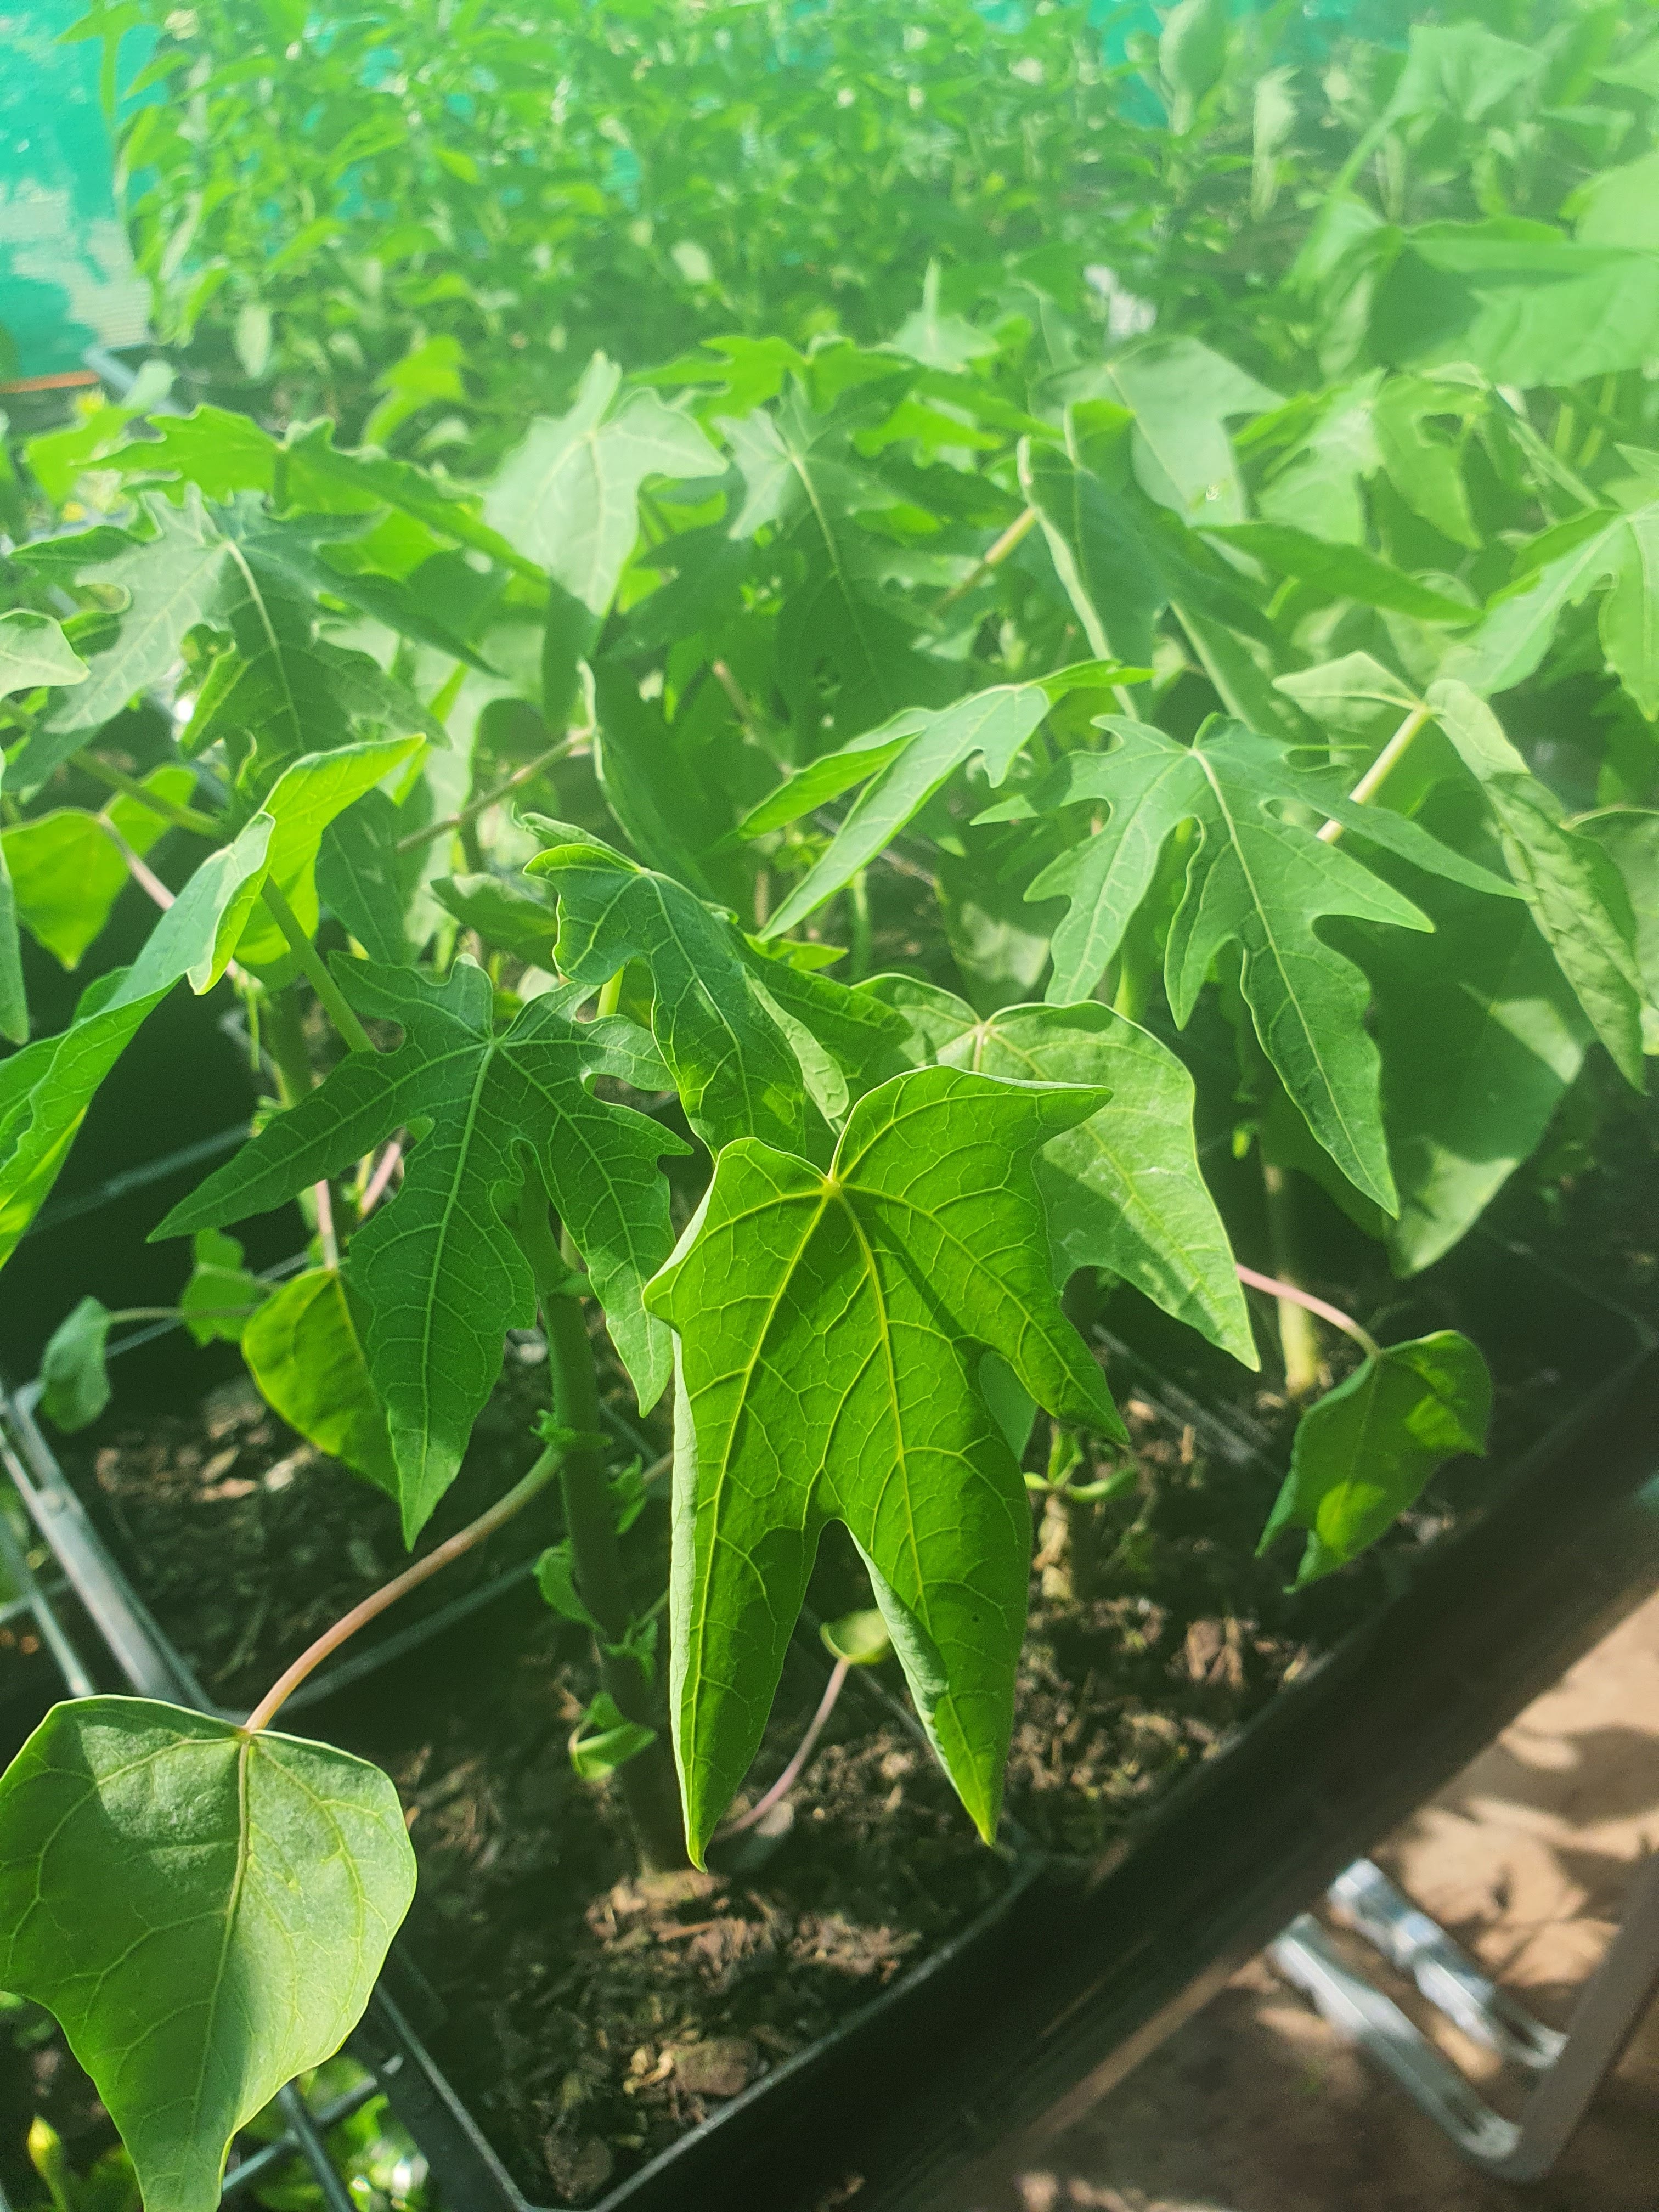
{"x":1257,"y":2106}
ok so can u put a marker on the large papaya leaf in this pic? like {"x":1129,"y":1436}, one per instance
{"x":437,"y":1267}
{"x":832,"y":1329}
{"x":204,"y":1910}
{"x":232,"y":567}
{"x":1363,"y":1454}
{"x":1577,"y":896}
{"x":1257,"y":878}
{"x":731,"y":1060}
{"x":1123,"y":1189}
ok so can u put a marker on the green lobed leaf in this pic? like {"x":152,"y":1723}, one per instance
{"x":436,"y":1265}
{"x":830,"y":1329}
{"x":567,"y":497}
{"x":1577,"y":895}
{"x":230,"y":567}
{"x":1182,"y":394}
{"x":306,"y":1356}
{"x":1563,"y":566}
{"x":205,"y":1911}
{"x":504,"y":913}
{"x":74,"y":1380}
{"x":1364,"y":1453}
{"x":1260,"y":878}
{"x":1342,"y":572}
{"x":1518,"y":301}
{"x":730,"y":1060}
{"x":363,"y":880}
{"x":909,"y":760}
{"x":1123,"y":1190}
{"x":1629,"y":836}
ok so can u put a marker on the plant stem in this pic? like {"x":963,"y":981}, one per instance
{"x":803,"y":1751}
{"x":178,"y":1313}
{"x":315,"y":968}
{"x":412,"y":1578}
{"x":1017,"y":530}
{"x":1297,"y":1337}
{"x":610,"y":992}
{"x":181,"y":817}
{"x":858,"y":898}
{"x":1295,"y":1295}
{"x":647,"y":1781}
{"x":470,"y":812}
{"x":1383,"y":766}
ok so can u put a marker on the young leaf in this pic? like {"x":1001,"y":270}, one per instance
{"x":74,"y":1380}
{"x":219,"y":1299}
{"x":1363,"y":1454}
{"x":1576,"y":896}
{"x":205,"y":1911}
{"x":909,"y":758}
{"x":1123,"y":1189}
{"x":437,"y":1267}
{"x":1257,"y":878}
{"x":731,"y":1062}
{"x":306,"y":1356}
{"x":830,"y":1333}
{"x":1342,"y":572}
{"x":34,"y":651}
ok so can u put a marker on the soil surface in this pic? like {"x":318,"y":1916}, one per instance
{"x":1257,"y":2105}
{"x":245,"y":1542}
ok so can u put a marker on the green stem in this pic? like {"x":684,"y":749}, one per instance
{"x":286,"y":1037}
{"x":178,"y":1313}
{"x":1383,"y":767}
{"x":470,"y":812}
{"x":647,"y":1781}
{"x":858,"y":896}
{"x":610,"y":992}
{"x":315,"y":968}
{"x":412,"y":1578}
{"x":182,"y":818}
{"x":1298,"y":1339}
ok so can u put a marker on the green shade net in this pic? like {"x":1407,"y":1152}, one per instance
{"x":67,"y":280}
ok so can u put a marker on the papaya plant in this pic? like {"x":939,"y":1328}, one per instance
{"x":769,"y":878}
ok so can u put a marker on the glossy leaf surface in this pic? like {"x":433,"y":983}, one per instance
{"x":831,"y":1330}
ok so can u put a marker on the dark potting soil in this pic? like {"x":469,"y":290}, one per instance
{"x":593,"y":2017}
{"x":245,"y":1542}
